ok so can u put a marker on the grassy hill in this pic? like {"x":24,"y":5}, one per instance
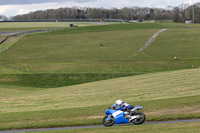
{"x":166,"y":95}
{"x":74,"y":55}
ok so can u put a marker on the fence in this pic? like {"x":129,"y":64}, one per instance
{"x":28,"y":32}
{"x":65,"y":20}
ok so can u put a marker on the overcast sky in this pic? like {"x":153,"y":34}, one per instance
{"x":16,"y":7}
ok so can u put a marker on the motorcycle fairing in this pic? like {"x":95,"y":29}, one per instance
{"x":119,"y":117}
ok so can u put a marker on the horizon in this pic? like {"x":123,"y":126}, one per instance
{"x":12,"y":8}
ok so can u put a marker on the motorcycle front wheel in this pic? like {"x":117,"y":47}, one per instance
{"x":107,"y":123}
{"x":139,"y":120}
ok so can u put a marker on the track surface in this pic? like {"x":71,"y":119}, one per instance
{"x":81,"y":127}
{"x":8,"y":33}
{"x":151,"y":40}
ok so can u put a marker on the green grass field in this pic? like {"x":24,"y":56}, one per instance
{"x":164,"y":96}
{"x":77,"y":51}
{"x":24,"y":26}
{"x":47,"y":78}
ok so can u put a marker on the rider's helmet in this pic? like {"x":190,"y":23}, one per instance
{"x":119,"y":102}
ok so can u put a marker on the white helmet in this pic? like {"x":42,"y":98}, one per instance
{"x":118,"y":102}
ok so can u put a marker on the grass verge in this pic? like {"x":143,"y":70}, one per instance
{"x":184,"y":127}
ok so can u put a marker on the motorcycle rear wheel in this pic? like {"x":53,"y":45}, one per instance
{"x":108,"y":123}
{"x":139,"y":120}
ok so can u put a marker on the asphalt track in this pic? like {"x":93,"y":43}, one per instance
{"x":151,"y":40}
{"x":95,"y":126}
{"x":7,"y":33}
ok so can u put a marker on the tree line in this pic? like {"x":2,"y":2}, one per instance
{"x":98,"y":13}
{"x":3,"y":18}
{"x":177,"y":14}
{"x":187,"y":13}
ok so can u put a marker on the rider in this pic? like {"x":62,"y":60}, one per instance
{"x":120,"y":105}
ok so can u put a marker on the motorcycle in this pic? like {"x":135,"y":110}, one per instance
{"x":118,"y":116}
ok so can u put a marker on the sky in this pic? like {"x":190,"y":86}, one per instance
{"x":18,"y":7}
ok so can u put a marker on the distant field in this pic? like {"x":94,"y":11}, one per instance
{"x":77,"y":51}
{"x":24,"y":26}
{"x":181,"y":43}
{"x":164,"y":96}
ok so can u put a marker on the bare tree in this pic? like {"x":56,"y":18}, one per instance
{"x":98,"y":13}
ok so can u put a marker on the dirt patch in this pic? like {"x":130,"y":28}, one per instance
{"x":13,"y":39}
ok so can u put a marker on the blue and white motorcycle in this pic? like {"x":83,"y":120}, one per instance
{"x":118,"y":116}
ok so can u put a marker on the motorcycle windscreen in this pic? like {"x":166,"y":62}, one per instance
{"x":119,"y":117}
